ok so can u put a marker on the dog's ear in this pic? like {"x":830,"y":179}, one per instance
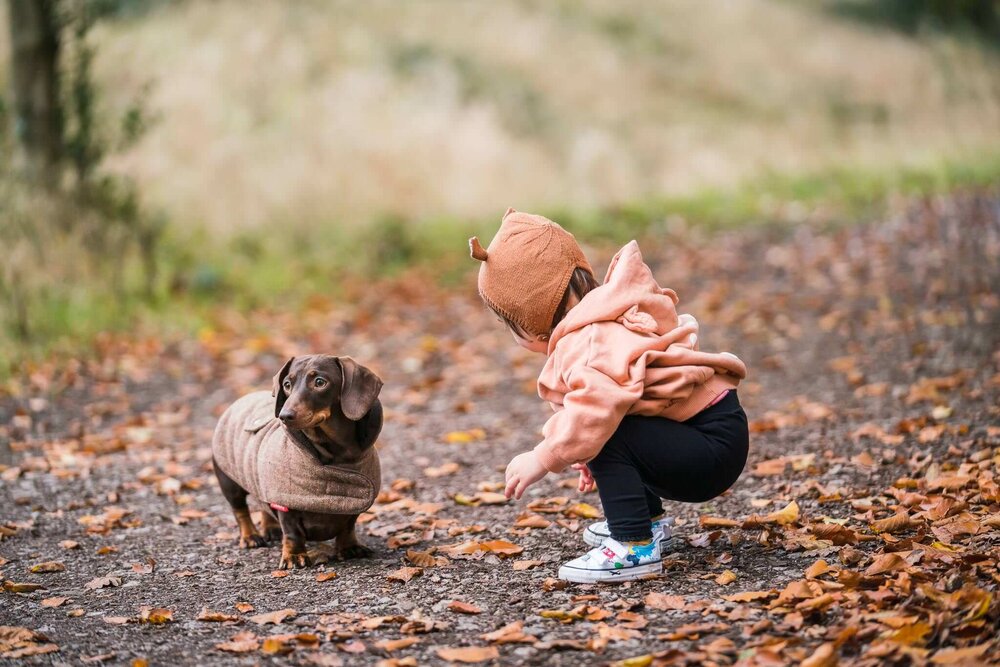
{"x":361,"y":388}
{"x":277,"y":390}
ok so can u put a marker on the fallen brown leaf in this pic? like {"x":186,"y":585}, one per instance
{"x":532,"y":521}
{"x":750,"y":596}
{"x":864,"y":459}
{"x":20,"y":642}
{"x":48,"y":566}
{"x":390,"y":645}
{"x":727,"y":577}
{"x":449,"y":468}
{"x":837,"y":534}
{"x":242,"y":642}
{"x":552,"y":584}
{"x":469,"y":654}
{"x":463,"y":437}
{"x":894,"y":524}
{"x":460,"y":607}
{"x":818,"y":568}
{"x":824,"y":656}
{"x":958,"y":656}
{"x":404,"y":574}
{"x":54,"y":602}
{"x":788,"y":514}
{"x":155,"y":615}
{"x":702,"y":540}
{"x":501,"y":548}
{"x":467,"y":500}
{"x":422,"y":558}
{"x":512,"y":633}
{"x":661,"y":601}
{"x":215,"y":616}
{"x":717,"y":522}
{"x":582,"y":511}
{"x":144,"y":568}
{"x":275,"y":646}
{"x":273,"y":617}
{"x":520,"y":565}
{"x":910,"y":635}
{"x":103,"y":582}
{"x":13,"y":587}
{"x":616,"y":633}
{"x":885,"y":563}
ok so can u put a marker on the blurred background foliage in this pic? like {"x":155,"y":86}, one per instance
{"x":255,"y":154}
{"x":975,"y":18}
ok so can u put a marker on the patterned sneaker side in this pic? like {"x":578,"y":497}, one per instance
{"x":614,"y":561}
{"x":596,"y":533}
{"x":665,"y":526}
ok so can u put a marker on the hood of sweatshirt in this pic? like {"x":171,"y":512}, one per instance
{"x":630,"y":295}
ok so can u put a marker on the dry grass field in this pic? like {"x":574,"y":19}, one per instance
{"x":293,"y":113}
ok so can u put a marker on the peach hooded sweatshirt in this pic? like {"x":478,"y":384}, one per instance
{"x":623,"y":350}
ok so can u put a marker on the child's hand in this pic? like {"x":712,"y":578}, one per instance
{"x":586,"y":483}
{"x":523,"y":471}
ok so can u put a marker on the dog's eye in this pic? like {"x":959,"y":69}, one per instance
{"x":287,"y":386}
{"x":320,"y":383}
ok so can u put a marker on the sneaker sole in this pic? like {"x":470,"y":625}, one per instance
{"x":579,"y":576}
{"x":594,"y":540}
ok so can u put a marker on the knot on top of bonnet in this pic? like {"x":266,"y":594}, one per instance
{"x":477,"y":250}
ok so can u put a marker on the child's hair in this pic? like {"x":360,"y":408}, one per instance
{"x":581,"y":282}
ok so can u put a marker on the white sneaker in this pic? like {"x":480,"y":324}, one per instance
{"x":596,"y":533}
{"x":613,"y":561}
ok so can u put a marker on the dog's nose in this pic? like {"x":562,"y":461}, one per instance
{"x":286,"y":415}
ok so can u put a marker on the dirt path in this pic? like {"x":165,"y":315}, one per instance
{"x":875,"y":376}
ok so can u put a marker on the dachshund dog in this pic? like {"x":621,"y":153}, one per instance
{"x":305,"y":452}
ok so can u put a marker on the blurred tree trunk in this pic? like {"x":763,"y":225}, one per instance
{"x":38,"y":121}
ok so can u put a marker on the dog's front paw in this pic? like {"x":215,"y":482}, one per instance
{"x":296,"y":559}
{"x":253,"y":541}
{"x":354,"y":551}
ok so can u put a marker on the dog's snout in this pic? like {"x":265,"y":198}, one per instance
{"x":286,"y":415}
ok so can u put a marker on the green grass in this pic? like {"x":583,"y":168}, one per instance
{"x":844,"y":194}
{"x":286,"y":266}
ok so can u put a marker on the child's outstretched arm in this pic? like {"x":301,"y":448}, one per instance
{"x":592,"y":410}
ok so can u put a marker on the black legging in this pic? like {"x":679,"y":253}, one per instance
{"x":649,"y":458}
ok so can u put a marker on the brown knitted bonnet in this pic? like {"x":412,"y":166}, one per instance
{"x":526,"y":269}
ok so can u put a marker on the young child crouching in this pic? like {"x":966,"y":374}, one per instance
{"x":639,"y":408}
